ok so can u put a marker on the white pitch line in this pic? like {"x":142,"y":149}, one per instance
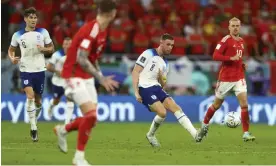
{"x":227,"y":152}
{"x":141,"y":165}
{"x":38,"y":148}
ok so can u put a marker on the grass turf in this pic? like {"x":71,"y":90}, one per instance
{"x":125,"y":143}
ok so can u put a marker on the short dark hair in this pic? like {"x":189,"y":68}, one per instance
{"x":106,"y":6}
{"x":29,"y":11}
{"x":167,"y":36}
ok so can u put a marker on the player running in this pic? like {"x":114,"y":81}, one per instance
{"x":34,"y":43}
{"x":231,"y":77}
{"x":80,"y":68}
{"x":149,"y":77}
{"x":55,"y":65}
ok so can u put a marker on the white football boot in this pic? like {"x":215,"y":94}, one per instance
{"x":153,"y":140}
{"x":62,"y":142}
{"x":80,"y":161}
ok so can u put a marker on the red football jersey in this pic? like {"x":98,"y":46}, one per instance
{"x":89,"y":38}
{"x":230,"y":71}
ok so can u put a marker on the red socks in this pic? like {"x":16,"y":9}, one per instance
{"x":83,"y":125}
{"x":73,"y":125}
{"x":211,"y":111}
{"x":245,"y":119}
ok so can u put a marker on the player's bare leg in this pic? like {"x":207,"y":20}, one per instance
{"x":83,"y":125}
{"x":184,"y":121}
{"x":69,"y":110}
{"x":53,"y":102}
{"x":157,"y":121}
{"x":31,"y":112}
{"x":208,"y":116}
{"x":242,"y":98}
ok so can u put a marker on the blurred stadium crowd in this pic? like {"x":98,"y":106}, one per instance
{"x":197,"y":26}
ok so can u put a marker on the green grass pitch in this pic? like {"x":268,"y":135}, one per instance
{"x":125,"y":143}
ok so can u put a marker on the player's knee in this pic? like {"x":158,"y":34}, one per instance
{"x":162,"y":113}
{"x":171,"y":105}
{"x":217,"y":104}
{"x":91,"y":117}
{"x":30,"y":95}
{"x":243,"y":103}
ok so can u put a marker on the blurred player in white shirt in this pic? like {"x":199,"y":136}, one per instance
{"x":34,"y":43}
{"x":149,"y":77}
{"x":55,"y":65}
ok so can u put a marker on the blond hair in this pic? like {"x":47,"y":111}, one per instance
{"x":234,"y":19}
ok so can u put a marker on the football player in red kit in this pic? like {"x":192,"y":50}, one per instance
{"x":231,"y":77}
{"x":80,"y":70}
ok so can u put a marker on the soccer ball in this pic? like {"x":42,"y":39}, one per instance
{"x":232,"y":119}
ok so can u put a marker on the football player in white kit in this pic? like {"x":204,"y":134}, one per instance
{"x":55,"y":65}
{"x":149,"y":77}
{"x":34,"y":43}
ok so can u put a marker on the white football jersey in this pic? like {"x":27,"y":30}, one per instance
{"x":32,"y":60}
{"x":152,"y":63}
{"x":58,"y":59}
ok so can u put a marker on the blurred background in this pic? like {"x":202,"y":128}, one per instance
{"x":197,"y":26}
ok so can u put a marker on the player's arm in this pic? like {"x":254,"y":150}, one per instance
{"x":162,"y":79}
{"x":218,"y":53}
{"x":220,"y":49}
{"x":138,"y":68}
{"x":86,"y":65}
{"x":84,"y":49}
{"x":135,"y":76}
{"x":83,"y":53}
{"x":11,"y":53}
{"x":51,"y":68}
{"x":48,"y":49}
{"x":12,"y":49}
{"x":51,"y":65}
{"x":97,"y":66}
{"x":135,"y":80}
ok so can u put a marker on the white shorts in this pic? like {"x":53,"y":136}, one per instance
{"x":81,"y":90}
{"x":223,"y":88}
